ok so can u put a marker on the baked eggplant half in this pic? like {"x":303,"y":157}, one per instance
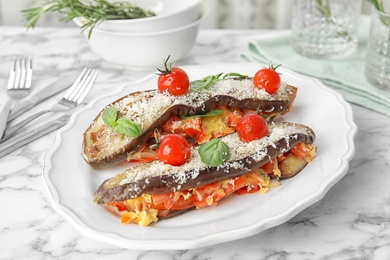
{"x":147,"y":192}
{"x":200,"y":115}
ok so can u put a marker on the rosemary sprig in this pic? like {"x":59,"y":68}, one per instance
{"x":93,"y":11}
{"x":326,"y":12}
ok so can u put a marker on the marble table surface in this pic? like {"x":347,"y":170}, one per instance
{"x":352,"y":221}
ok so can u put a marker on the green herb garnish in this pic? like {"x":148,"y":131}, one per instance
{"x":93,"y":11}
{"x":209,"y":81}
{"x":208,"y":114}
{"x":127,"y":127}
{"x":205,"y":83}
{"x":214,"y":152}
{"x":124,"y":126}
{"x":109,"y":116}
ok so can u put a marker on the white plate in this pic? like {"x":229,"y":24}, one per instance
{"x":72,"y":182}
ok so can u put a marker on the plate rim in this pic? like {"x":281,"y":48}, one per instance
{"x":228,"y":235}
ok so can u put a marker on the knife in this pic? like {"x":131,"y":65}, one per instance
{"x":24,"y":138}
{"x":43,"y":94}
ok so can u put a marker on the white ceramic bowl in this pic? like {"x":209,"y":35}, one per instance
{"x":169,"y":14}
{"x":140,"y":51}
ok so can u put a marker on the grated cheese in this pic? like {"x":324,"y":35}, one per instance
{"x":145,"y":107}
{"x":238,"y":150}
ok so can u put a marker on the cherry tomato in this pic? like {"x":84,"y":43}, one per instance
{"x":174,"y":150}
{"x":174,"y":80}
{"x":267,"y":79}
{"x":251,"y":127}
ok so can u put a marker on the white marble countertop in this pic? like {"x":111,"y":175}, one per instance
{"x":351,"y":222}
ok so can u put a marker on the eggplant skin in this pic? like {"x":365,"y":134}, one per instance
{"x":118,"y":188}
{"x":268,"y":107}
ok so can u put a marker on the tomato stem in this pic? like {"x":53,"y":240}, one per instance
{"x":167,"y":68}
{"x":273,"y":67}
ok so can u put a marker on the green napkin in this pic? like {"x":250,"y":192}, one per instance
{"x":344,"y":75}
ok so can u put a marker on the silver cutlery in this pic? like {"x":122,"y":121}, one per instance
{"x":19,"y":84}
{"x":24,"y":138}
{"x":72,"y":98}
{"x":46,"y":92}
{"x":27,"y":137}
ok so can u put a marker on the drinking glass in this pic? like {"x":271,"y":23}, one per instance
{"x":325,"y":28}
{"x":377,"y":66}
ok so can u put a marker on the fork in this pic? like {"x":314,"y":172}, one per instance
{"x":19,"y":84}
{"x":72,"y":98}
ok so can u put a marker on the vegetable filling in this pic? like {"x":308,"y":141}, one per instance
{"x":197,"y":129}
{"x":147,"y":208}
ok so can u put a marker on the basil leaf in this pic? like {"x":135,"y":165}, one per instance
{"x":214,"y":152}
{"x":109,"y":116}
{"x":210,"y":113}
{"x":127,"y":127}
